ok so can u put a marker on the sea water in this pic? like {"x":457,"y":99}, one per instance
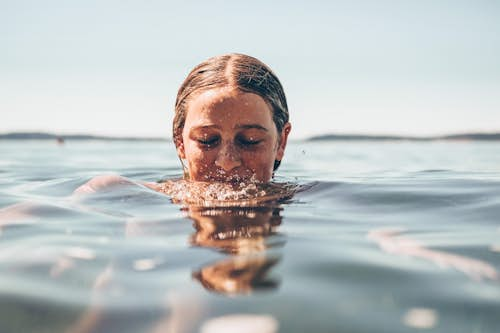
{"x":385,"y":237}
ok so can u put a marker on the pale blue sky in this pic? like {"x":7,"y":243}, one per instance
{"x":113,"y":67}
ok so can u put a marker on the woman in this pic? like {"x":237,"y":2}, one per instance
{"x":231,"y":120}
{"x":231,"y":126}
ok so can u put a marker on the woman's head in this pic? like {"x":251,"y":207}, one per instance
{"x":231,"y":120}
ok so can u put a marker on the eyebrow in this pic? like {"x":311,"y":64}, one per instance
{"x":205,"y":126}
{"x":250,"y":126}
{"x":244,"y":126}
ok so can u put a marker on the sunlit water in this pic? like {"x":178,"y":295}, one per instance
{"x":385,"y":237}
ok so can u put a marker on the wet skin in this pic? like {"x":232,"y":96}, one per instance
{"x":230,"y":136}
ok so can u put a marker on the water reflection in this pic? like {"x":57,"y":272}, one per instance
{"x":120,"y":268}
{"x":249,"y":235}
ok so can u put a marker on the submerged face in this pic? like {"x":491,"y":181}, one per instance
{"x":230,"y":136}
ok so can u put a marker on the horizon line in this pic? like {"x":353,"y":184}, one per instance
{"x":41,"y":135}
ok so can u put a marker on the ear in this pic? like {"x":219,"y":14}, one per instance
{"x":179,"y":144}
{"x":283,"y":139}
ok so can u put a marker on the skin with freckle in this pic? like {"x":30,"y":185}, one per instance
{"x":231,"y":121}
{"x":229,"y":135}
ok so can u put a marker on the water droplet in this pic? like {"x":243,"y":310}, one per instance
{"x":420,"y":318}
{"x":144,"y":264}
{"x":80,"y":253}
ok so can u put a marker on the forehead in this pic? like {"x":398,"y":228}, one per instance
{"x":227,"y":105}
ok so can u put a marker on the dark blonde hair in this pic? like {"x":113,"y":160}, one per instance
{"x":235,"y":70}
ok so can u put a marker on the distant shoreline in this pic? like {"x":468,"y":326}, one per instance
{"x":71,"y":137}
{"x":326,"y":137}
{"x":452,"y":137}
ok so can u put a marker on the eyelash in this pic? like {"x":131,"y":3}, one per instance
{"x":246,"y":142}
{"x":209,"y":143}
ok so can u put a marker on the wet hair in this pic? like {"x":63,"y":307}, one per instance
{"x":234,"y":70}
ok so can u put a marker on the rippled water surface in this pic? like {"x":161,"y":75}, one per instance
{"x":386,"y":237}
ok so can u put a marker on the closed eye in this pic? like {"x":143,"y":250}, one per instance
{"x":248,"y":142}
{"x":208,"y":142}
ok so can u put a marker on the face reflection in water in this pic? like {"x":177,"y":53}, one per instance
{"x":245,"y":234}
{"x":230,"y":136}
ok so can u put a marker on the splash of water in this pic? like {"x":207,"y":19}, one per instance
{"x":241,"y":194}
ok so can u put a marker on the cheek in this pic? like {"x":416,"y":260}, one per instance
{"x":260,"y":162}
{"x":199,"y":159}
{"x":256,"y":159}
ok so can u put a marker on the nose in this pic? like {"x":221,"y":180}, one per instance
{"x":228,"y":157}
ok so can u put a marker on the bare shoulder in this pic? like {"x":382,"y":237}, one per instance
{"x":164,"y":186}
